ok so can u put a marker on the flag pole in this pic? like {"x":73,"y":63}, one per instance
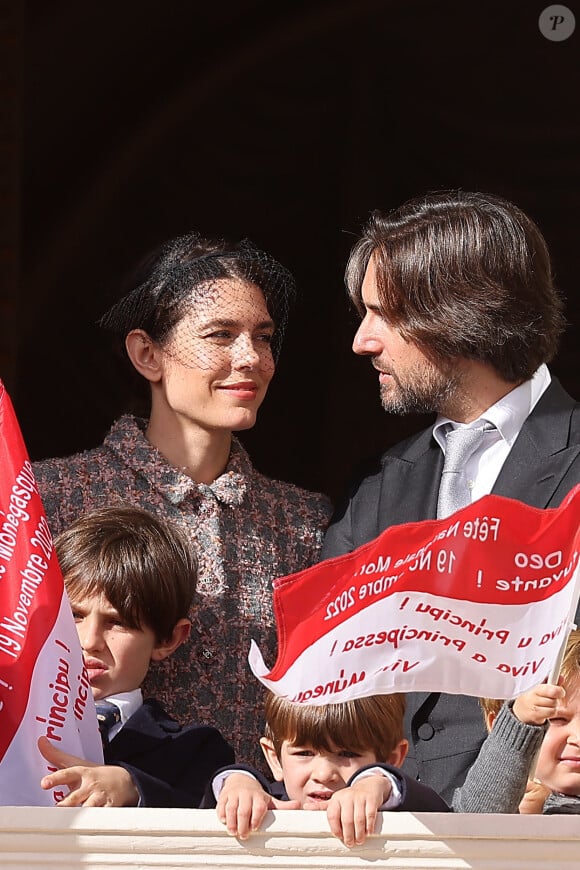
{"x":555,"y":672}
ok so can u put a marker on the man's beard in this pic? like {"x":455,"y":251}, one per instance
{"x":425,"y":389}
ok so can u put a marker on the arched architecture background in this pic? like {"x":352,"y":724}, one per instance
{"x":286,"y":123}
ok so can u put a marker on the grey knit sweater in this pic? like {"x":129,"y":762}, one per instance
{"x":496,"y":782}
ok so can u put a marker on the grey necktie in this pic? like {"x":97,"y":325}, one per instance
{"x":453,"y":489}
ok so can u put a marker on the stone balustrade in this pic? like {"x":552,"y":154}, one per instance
{"x":35,"y":838}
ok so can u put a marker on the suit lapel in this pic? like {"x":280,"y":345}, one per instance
{"x":415,"y":702}
{"x":542,"y":453}
{"x":140,"y":734}
{"x":410,"y":483}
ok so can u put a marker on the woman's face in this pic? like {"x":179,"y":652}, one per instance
{"x":218,"y":360}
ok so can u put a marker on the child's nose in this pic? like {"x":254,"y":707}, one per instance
{"x":90,"y":635}
{"x":324,"y":770}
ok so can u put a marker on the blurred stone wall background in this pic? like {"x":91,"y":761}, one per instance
{"x":125,"y":123}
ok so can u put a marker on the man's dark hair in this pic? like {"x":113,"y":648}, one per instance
{"x":463,"y":275}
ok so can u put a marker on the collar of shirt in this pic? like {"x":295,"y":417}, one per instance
{"x":508,"y":415}
{"x":128,"y":703}
{"x":127,"y":439}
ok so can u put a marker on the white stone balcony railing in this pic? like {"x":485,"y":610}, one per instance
{"x":33,"y":838}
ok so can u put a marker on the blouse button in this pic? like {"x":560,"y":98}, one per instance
{"x":207,"y":653}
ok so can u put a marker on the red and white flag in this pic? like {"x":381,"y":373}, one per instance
{"x":479,"y":603}
{"x":44,"y":687}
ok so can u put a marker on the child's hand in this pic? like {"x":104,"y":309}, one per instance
{"x":89,"y":784}
{"x":534,"y":797}
{"x":243,"y":803}
{"x":539,"y":704}
{"x":352,"y":811}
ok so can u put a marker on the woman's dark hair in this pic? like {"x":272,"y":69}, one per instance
{"x":166,"y":283}
{"x":463,"y":275}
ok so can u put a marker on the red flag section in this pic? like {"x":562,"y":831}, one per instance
{"x":44,"y":689}
{"x":478,"y":603}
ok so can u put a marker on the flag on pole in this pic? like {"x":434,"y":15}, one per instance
{"x":479,"y":603}
{"x":44,"y":687}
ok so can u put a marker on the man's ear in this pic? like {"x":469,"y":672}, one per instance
{"x":399,"y":753}
{"x":179,"y":635}
{"x":144,"y":354}
{"x":271,"y":757}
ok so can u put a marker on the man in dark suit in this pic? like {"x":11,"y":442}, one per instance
{"x":130,"y":579}
{"x":459,"y":317}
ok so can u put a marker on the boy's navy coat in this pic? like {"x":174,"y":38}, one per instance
{"x":170,"y":764}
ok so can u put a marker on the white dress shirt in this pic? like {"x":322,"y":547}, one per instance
{"x":128,"y":703}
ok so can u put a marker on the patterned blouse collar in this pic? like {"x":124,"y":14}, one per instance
{"x":127,"y":439}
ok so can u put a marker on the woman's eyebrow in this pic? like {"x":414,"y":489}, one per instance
{"x":228,"y":321}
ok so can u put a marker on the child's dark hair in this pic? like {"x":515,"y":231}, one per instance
{"x":142,"y":565}
{"x":374,"y":723}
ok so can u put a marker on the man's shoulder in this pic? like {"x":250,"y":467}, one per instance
{"x":556,"y":400}
{"x":411,"y":446}
{"x":407,"y":450}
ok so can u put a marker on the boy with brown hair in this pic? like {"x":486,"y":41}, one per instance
{"x":130,"y":579}
{"x":343,"y":758}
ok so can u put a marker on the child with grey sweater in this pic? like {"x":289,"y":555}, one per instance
{"x":542,"y":724}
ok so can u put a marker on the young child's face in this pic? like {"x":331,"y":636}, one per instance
{"x":116,"y":657}
{"x":313,"y":775}
{"x":558,"y":764}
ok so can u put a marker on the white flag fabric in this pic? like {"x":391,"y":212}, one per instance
{"x":479,"y":603}
{"x":44,"y":686}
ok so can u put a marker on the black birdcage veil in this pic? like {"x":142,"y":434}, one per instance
{"x":192,"y":285}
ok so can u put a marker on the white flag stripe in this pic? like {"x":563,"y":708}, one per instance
{"x":58,"y":690}
{"x":44,"y":687}
{"x":420,"y":642}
